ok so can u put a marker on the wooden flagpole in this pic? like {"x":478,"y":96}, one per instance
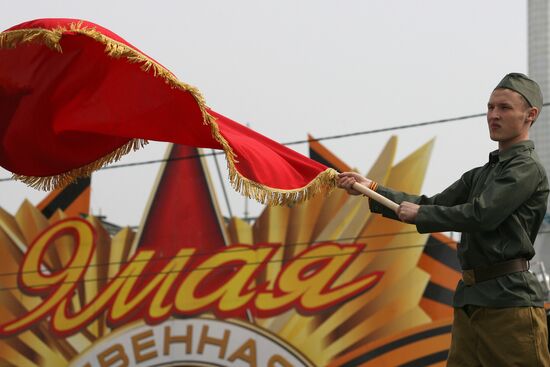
{"x":376,"y":196}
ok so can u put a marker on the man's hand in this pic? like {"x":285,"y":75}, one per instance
{"x":347,"y":179}
{"x":407,"y":212}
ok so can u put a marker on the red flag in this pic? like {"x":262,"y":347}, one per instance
{"x":74,"y":96}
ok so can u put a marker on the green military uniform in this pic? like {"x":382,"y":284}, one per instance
{"x":498,"y":208}
{"x":499,"y":319}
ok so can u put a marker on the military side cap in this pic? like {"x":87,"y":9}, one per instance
{"x":525,"y":86}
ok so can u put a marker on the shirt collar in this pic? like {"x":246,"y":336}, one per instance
{"x":496,"y":155}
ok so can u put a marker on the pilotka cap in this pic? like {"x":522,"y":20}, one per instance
{"x":528,"y":88}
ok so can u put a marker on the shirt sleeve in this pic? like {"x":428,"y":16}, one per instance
{"x":455,"y":194}
{"x":512,"y":186}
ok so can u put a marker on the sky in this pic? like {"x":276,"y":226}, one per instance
{"x":288,"y":68}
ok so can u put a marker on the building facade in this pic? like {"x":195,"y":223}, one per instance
{"x":538,"y":12}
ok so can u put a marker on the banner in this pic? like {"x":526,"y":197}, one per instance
{"x":323,"y":283}
{"x":75,"y":96}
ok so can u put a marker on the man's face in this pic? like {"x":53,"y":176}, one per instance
{"x":509,"y":117}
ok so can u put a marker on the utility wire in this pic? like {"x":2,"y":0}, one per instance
{"x":208,"y":253}
{"x":232,"y":266}
{"x":295,"y":244}
{"x":283,"y":245}
{"x":296,"y":142}
{"x":330,"y":137}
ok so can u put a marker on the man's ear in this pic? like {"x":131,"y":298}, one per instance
{"x":532,"y":114}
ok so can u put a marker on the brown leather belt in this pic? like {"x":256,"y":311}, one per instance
{"x":481,"y":274}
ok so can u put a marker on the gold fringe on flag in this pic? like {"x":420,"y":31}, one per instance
{"x":324,"y":182}
{"x":48,"y":183}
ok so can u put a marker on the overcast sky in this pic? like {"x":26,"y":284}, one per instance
{"x":291,"y":67}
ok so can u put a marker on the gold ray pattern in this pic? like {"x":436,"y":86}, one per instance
{"x":396,"y":298}
{"x":390,"y":308}
{"x":38,"y":346}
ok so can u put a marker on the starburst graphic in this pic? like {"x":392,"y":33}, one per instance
{"x":317,"y":284}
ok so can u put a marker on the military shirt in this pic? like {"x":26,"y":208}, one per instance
{"x":499,"y":208}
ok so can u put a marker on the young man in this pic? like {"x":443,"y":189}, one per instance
{"x":499,"y":319}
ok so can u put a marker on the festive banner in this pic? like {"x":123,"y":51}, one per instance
{"x":322,"y":283}
{"x":74,"y":96}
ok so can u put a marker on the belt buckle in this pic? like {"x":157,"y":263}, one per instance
{"x":468,"y":277}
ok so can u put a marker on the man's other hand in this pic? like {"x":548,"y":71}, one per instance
{"x":407,"y":212}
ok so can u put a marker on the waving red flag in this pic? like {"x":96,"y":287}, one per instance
{"x":74,"y":96}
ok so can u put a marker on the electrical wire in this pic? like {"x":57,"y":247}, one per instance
{"x":329,"y":137}
{"x":208,"y":253}
{"x":232,"y":265}
{"x":366,"y":250}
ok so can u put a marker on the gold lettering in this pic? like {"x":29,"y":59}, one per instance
{"x":233,"y":294}
{"x":59,"y":285}
{"x":113,"y":355}
{"x":139,"y":347}
{"x":307,"y":280}
{"x":63,"y":321}
{"x":187,"y":339}
{"x":277,"y":360}
{"x":161,"y":283}
{"x":205,"y":339}
{"x":121,"y":288}
{"x":246,"y":353}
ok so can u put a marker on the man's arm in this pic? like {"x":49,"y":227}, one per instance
{"x":454,"y":194}
{"x":515,"y":184}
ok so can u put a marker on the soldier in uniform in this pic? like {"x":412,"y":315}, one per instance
{"x":499,"y":316}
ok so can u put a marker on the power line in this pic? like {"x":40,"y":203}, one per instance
{"x":297,"y":142}
{"x":285,"y":245}
{"x":392,"y":128}
{"x":330,"y":137}
{"x":207,"y":253}
{"x":232,"y":265}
